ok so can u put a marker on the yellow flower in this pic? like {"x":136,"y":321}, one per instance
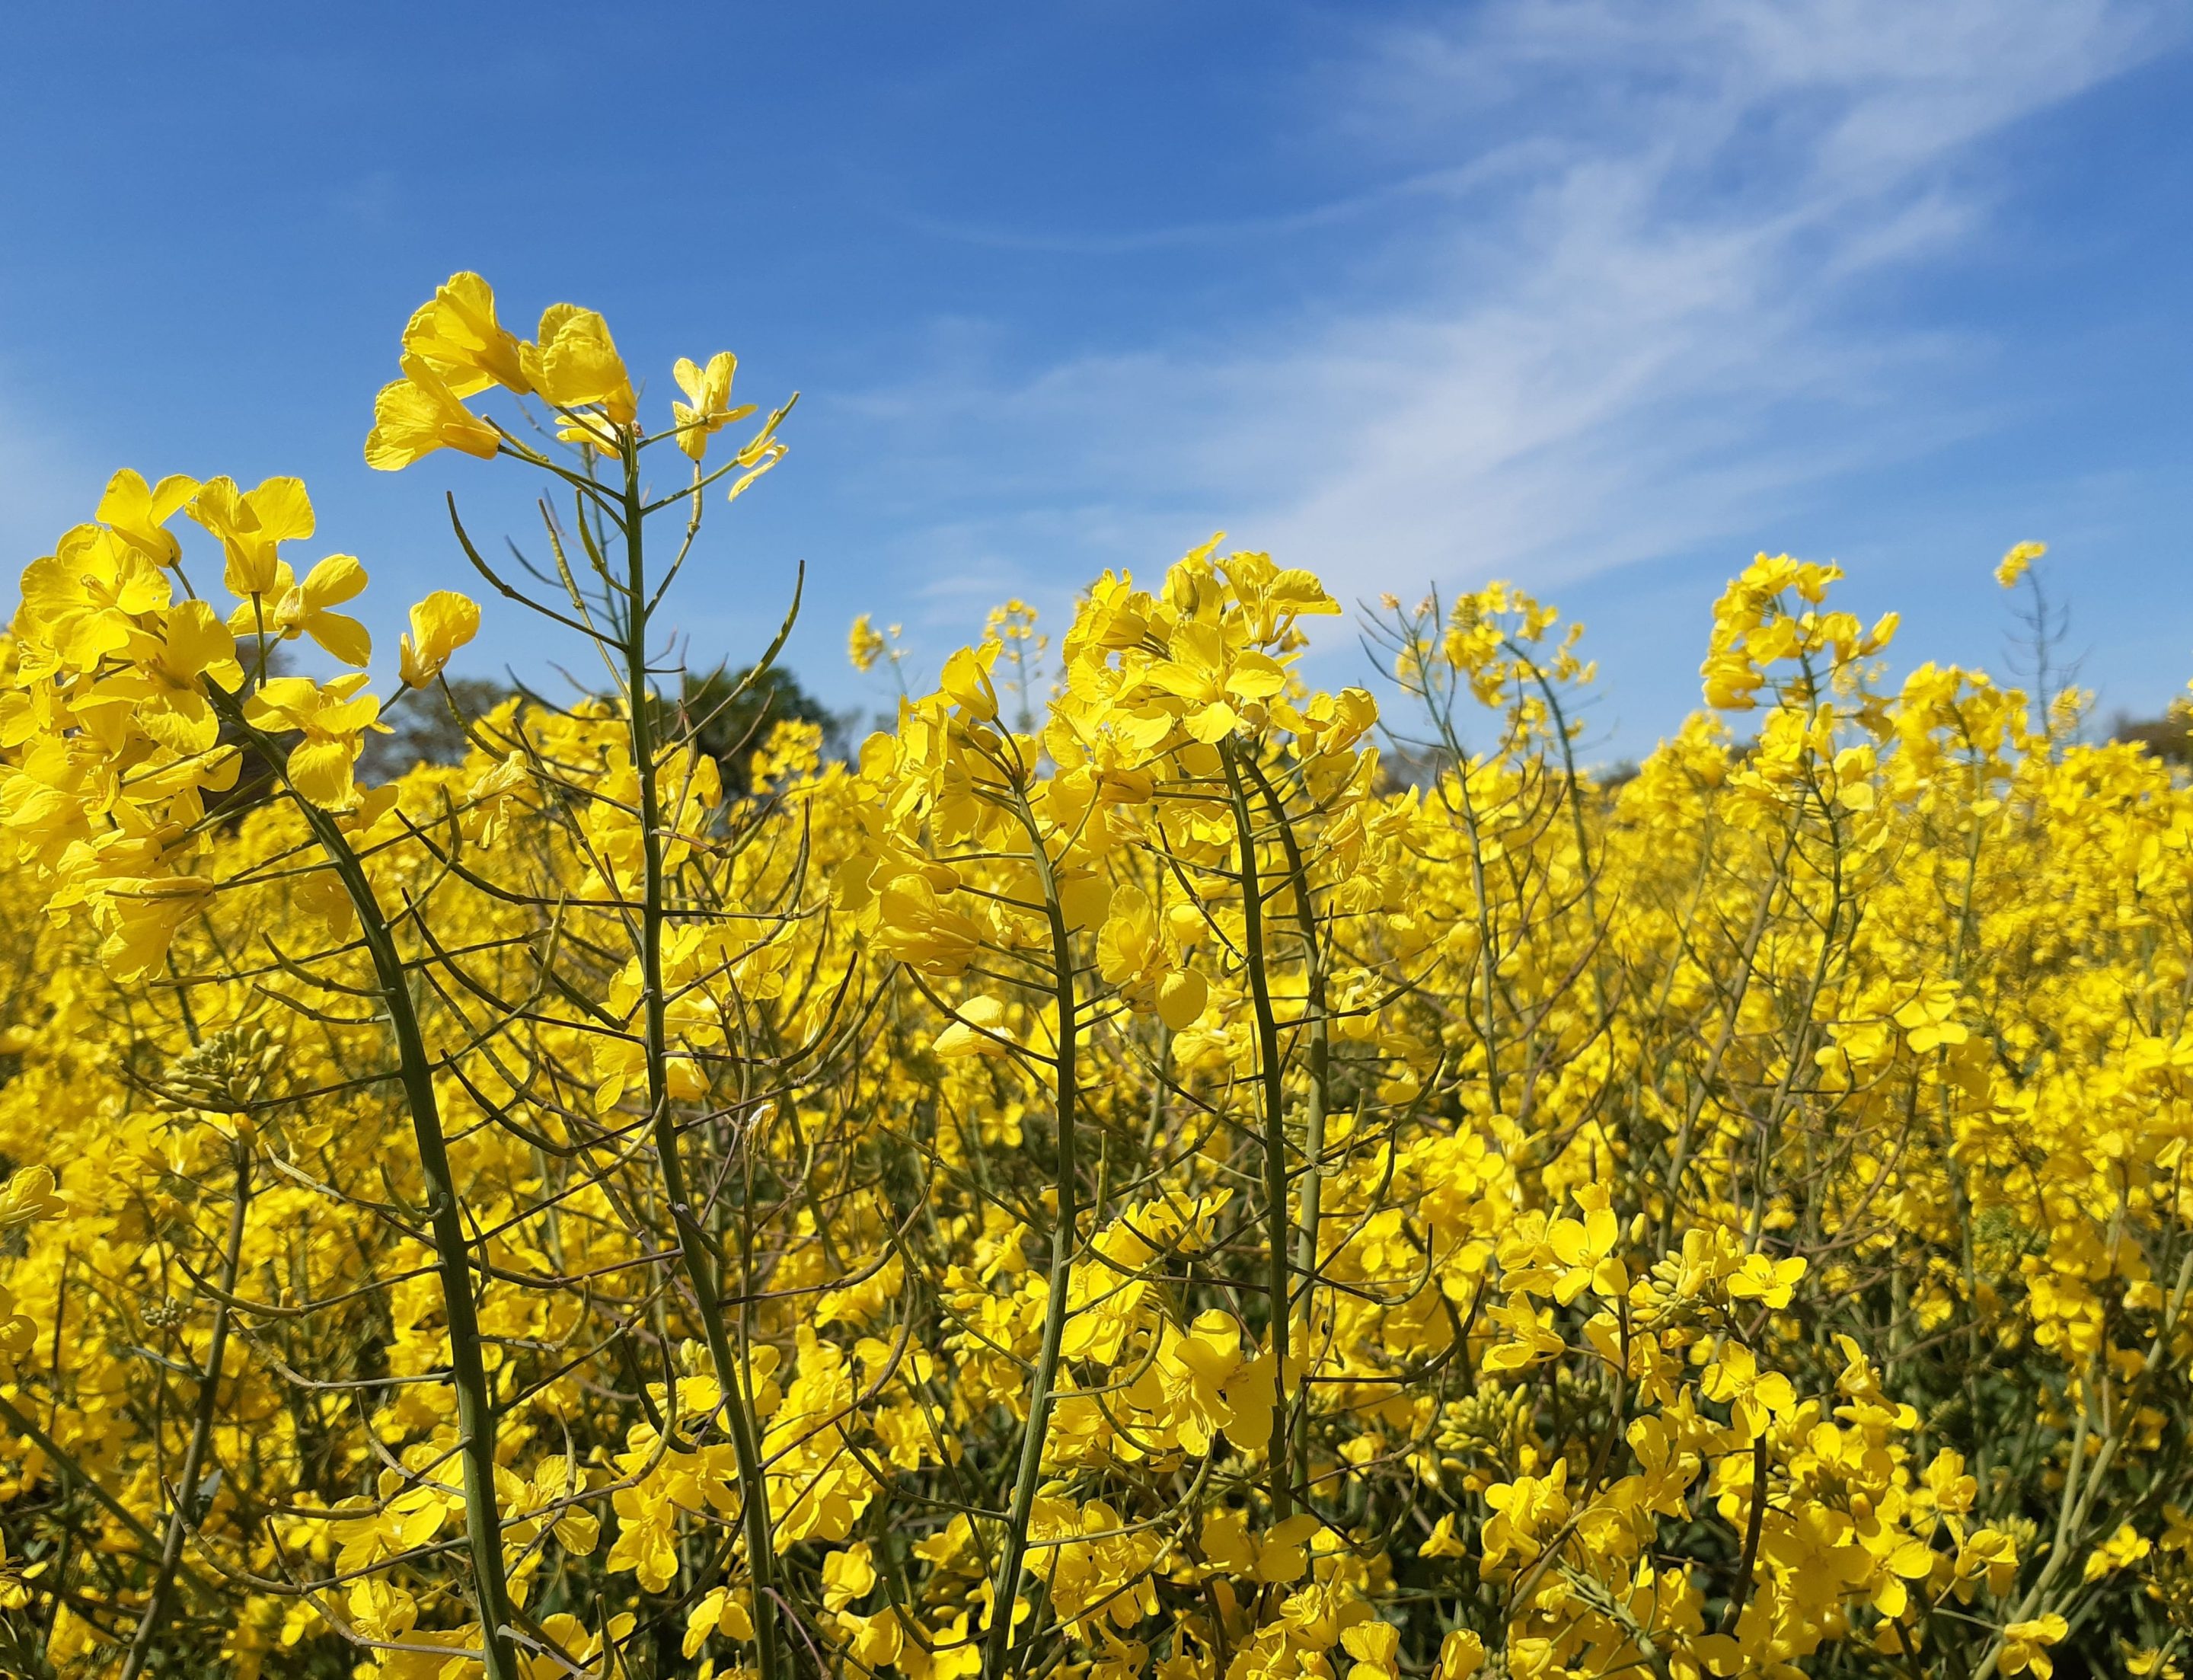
{"x":1211,"y":675}
{"x":1926,"y":1018}
{"x":2025,"y":1644}
{"x":1376,"y":1646}
{"x":865,"y":644}
{"x":139,"y":917}
{"x":400,"y":1518}
{"x":722,"y":1611}
{"x":577,"y":1640}
{"x":1442,"y":1542}
{"x":2123,"y":1549}
{"x":419,"y":414}
{"x":966,"y":681}
{"x":555,"y":1487}
{"x":979,"y":1030}
{"x":1525,"y":1513}
{"x":878,"y":1641}
{"x":27,"y":1197}
{"x":84,"y":602}
{"x":441,"y":624}
{"x":2014,"y":564}
{"x":707,"y":406}
{"x":333,"y":719}
{"x":1771,"y":1282}
{"x":1130,"y":956}
{"x":138,"y":513}
{"x":304,"y":608}
{"x":1990,"y":1555}
{"x":172,"y":708}
{"x":576,"y":366}
{"x":1753,"y":1395}
{"x":249,"y":524}
{"x":1584,"y":1250}
{"x":847,"y":1576}
{"x":1462,"y":1653}
{"x":456,"y":335}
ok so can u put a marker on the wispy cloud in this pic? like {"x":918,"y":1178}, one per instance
{"x":1431,"y":186}
{"x":1611,"y":309}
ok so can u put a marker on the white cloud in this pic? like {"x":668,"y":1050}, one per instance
{"x":1613,"y":310}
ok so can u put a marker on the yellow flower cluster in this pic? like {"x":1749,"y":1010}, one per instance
{"x":1150,"y":1178}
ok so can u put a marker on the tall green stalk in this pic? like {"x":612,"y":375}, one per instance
{"x":186,"y":1489}
{"x":1311,"y":1196}
{"x":1278,"y":1226}
{"x":468,"y":1372}
{"x":1028,"y":1473}
{"x":696,"y":1253}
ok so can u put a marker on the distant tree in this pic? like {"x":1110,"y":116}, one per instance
{"x":1410,"y":763}
{"x":427,"y":729}
{"x":1612,"y":778}
{"x":733,"y":712}
{"x":2169,"y":737}
{"x":732,"y":715}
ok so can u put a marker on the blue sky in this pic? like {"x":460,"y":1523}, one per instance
{"x":1600,"y":297}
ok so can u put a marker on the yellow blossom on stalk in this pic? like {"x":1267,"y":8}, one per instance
{"x":966,"y":681}
{"x":1989,"y":1557}
{"x":848,"y":1575}
{"x":140,"y":915}
{"x":28,"y":1196}
{"x":575,"y":367}
{"x":1584,"y":1250}
{"x":396,"y":1520}
{"x":419,"y":414}
{"x":1754,"y":1397}
{"x":1926,"y":1018}
{"x":458,"y":339}
{"x":250,"y":524}
{"x":720,"y":1613}
{"x":865,"y":644}
{"x":2025,"y":1647}
{"x":2121,"y":1550}
{"x":139,"y":512}
{"x":1132,"y":955}
{"x":332,"y":719}
{"x":1770,"y":1282}
{"x":2016,"y":563}
{"x":440,"y":624}
{"x":306,"y":609}
{"x":172,"y":708}
{"x":978,"y":1031}
{"x":1462,"y":1653}
{"x":707,"y":408}
{"x":82,"y":603}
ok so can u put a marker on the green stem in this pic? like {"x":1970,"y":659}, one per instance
{"x":467,"y":1373}
{"x":1310,"y":1195}
{"x":696,"y":1252}
{"x":178,"y":1520}
{"x":1278,"y":1236}
{"x":1006,"y":1587}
